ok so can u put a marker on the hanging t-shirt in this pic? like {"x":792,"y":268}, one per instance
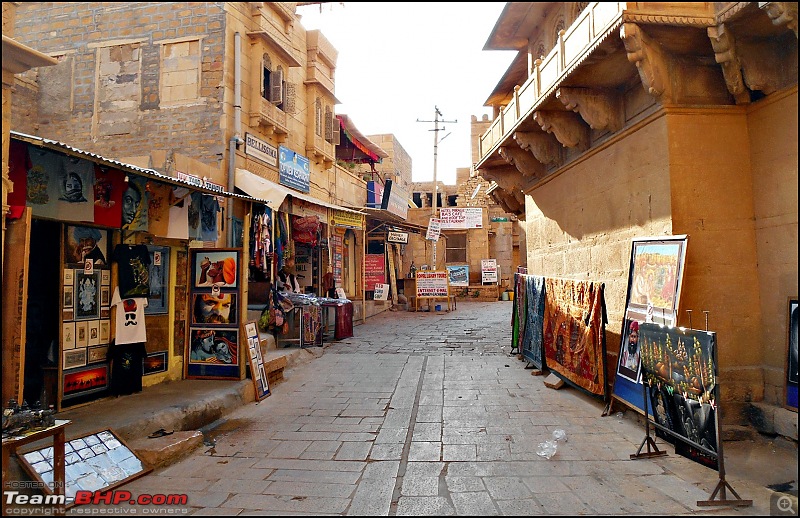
{"x":42,"y":189}
{"x":126,"y":367}
{"x":208,"y":218}
{"x":134,"y":275}
{"x":135,"y":204}
{"x":130,"y":318}
{"x":178,"y":227}
{"x":195,"y":208}
{"x":109,"y":184}
{"x":159,"y":202}
{"x":76,"y":190}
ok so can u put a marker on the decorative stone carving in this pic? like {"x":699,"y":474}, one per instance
{"x":599,"y":108}
{"x":782,"y":13}
{"x":566,"y":126}
{"x":765,"y":66}
{"x":543,"y":146}
{"x":725,"y":51}
{"x":650,"y":59}
{"x":525,"y":162}
{"x":509,"y":182}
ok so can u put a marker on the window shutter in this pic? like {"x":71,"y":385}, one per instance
{"x":276,"y":87}
{"x":289,"y":102}
{"x":337,"y":139}
{"x":329,"y":125}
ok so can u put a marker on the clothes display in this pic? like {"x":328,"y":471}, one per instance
{"x":130,"y":327}
{"x":126,"y":367}
{"x":134,"y":262}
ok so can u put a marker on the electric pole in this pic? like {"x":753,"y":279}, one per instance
{"x":434,"y":198}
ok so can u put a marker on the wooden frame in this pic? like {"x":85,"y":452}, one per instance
{"x":99,"y":461}
{"x":73,"y":358}
{"x":97,"y":354}
{"x":85,"y":380}
{"x":257,"y":370}
{"x":206,"y":358}
{"x":790,"y":385}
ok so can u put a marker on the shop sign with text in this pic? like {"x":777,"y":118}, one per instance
{"x":461,"y":218}
{"x":257,"y":148}
{"x":295,"y":171}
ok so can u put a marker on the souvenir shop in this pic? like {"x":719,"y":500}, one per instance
{"x":101,"y":250}
{"x":303,"y":263}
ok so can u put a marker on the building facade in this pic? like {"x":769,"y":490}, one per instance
{"x":620,"y":121}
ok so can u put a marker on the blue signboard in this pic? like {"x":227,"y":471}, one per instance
{"x":294,"y":170}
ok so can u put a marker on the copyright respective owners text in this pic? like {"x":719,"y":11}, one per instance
{"x":17,"y":503}
{"x":783,"y":504}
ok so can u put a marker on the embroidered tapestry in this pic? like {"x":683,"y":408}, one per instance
{"x":574,"y":318}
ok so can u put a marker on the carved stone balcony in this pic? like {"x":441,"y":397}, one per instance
{"x":272,"y":119}
{"x":320,"y":151}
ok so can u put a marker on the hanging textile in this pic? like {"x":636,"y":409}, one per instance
{"x":261,"y":242}
{"x":532,"y":339}
{"x":519,"y":309}
{"x":312,"y":325}
{"x":109,"y":184}
{"x":574,"y":318}
{"x":306,"y":230}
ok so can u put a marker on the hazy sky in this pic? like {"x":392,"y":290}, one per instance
{"x":399,"y":60}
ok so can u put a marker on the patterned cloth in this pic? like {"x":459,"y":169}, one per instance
{"x":532,"y":339}
{"x":574,"y":319}
{"x":518,"y":313}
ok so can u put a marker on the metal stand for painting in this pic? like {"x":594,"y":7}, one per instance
{"x":722,"y":486}
{"x":652,"y":449}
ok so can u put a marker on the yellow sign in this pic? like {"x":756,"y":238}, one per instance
{"x":341,"y":218}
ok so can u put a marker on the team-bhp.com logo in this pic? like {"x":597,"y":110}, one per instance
{"x":119,"y":498}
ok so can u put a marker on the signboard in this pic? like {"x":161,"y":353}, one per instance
{"x":459,"y":274}
{"x":257,"y":148}
{"x":294,"y":171}
{"x":342,"y":218}
{"x":304,"y":208}
{"x":397,"y":237}
{"x":374,"y":271}
{"x":336,"y":250}
{"x":434,"y":229}
{"x":395,"y":199}
{"x":381,"y":292}
{"x":461,"y":217}
{"x":257,"y":370}
{"x":488,"y":271}
{"x":432,"y":283}
{"x":196,"y":181}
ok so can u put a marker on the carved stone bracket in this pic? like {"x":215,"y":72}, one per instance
{"x":599,"y":108}
{"x":782,"y":13}
{"x":567,"y":127}
{"x":544,"y":146}
{"x":650,"y":59}
{"x":510,"y":183}
{"x":722,"y":41}
{"x":524,"y":161}
{"x":765,"y":66}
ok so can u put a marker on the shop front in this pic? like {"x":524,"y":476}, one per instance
{"x":98,"y":257}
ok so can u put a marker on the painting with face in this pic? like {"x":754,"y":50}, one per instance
{"x":214,"y":309}
{"x":84,"y":243}
{"x":134,"y":205}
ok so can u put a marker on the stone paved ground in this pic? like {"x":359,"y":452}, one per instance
{"x":427,"y":414}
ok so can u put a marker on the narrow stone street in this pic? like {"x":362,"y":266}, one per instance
{"x":428,"y":414}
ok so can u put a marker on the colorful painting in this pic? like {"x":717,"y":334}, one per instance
{"x":221,"y":308}
{"x":87,"y":380}
{"x":74,"y":358}
{"x":654,"y":288}
{"x":679,"y":368}
{"x":213,"y":353}
{"x":215,"y":267}
{"x":87,"y":295}
{"x":82,"y":243}
{"x":791,"y":358}
{"x":154,"y":363}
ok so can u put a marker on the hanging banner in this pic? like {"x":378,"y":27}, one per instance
{"x":434,"y":229}
{"x":461,"y":218}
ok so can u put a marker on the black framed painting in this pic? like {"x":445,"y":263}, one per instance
{"x":158,"y":300}
{"x":87,"y":295}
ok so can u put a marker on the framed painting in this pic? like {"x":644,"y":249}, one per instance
{"x":215,"y":309}
{"x":105,"y":298}
{"x":105,"y":331}
{"x":215,"y":267}
{"x":69,"y":296}
{"x":69,"y":277}
{"x":257,"y":370}
{"x":81,"y":334}
{"x":96,"y":354}
{"x":459,"y":274}
{"x":68,"y":335}
{"x":154,"y":363}
{"x":87,"y":295}
{"x":790,"y":391}
{"x":105,"y":277}
{"x":655,"y":277}
{"x":213,"y":353}
{"x":82,"y":243}
{"x":85,"y":380}
{"x":158,"y":302}
{"x":94,"y":332}
{"x":74,"y":358}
